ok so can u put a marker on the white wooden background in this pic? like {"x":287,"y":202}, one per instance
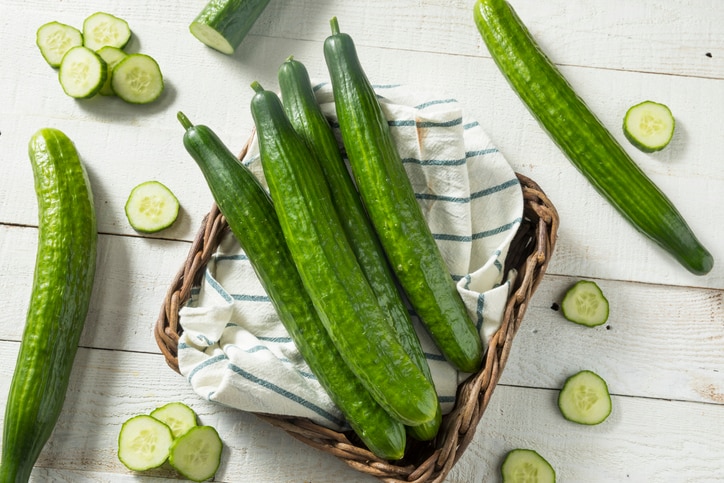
{"x":662,"y":351}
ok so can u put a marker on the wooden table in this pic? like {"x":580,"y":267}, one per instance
{"x":662,"y":351}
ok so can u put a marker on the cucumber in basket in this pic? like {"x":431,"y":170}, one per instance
{"x":579,"y":134}
{"x":252,"y":219}
{"x":393,"y":209}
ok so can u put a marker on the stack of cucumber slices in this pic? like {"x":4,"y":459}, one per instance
{"x":92,"y":60}
{"x":170,"y":434}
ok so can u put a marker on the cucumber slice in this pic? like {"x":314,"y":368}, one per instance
{"x":144,"y":443}
{"x":151,"y":207}
{"x":197,"y":454}
{"x":54,"y":39}
{"x":585,"y":304}
{"x":526,"y":466}
{"x":137,"y":79}
{"x":101,"y":29}
{"x":177,"y":416}
{"x":223,"y":24}
{"x":82,"y":72}
{"x":649,"y":126}
{"x":584,"y":399}
{"x":111,"y":56}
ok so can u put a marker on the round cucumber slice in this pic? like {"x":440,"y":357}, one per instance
{"x":177,"y":416}
{"x":54,"y":39}
{"x":151,"y":207}
{"x":82,"y":72}
{"x":101,"y":29}
{"x":585,"y":304}
{"x":526,"y":466}
{"x":584,"y":399}
{"x":137,"y":79}
{"x":197,"y":454}
{"x":144,"y":443}
{"x":649,"y":126}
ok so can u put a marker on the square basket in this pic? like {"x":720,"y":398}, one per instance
{"x":424,"y":462}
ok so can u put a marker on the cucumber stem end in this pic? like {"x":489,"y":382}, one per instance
{"x":185,"y":122}
{"x":335,"y":25}
{"x":257,"y":87}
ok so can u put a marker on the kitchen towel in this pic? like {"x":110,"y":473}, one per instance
{"x":235,"y":351}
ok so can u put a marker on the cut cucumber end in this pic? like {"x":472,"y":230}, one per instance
{"x":102,"y":29}
{"x":197,"y":454}
{"x":211,"y":38}
{"x":585,"y":399}
{"x":144,"y":443}
{"x":585,"y":304}
{"x":151,"y":207}
{"x":82,"y":72}
{"x":649,"y":126}
{"x":137,"y":79}
{"x":526,"y":466}
{"x":55,"y":39}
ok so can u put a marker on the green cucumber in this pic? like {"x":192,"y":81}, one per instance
{"x":223,"y":24}
{"x":579,"y":134}
{"x":137,"y":79}
{"x":151,"y":207}
{"x":177,"y":416}
{"x":144,"y":443}
{"x":59,"y":301}
{"x":249,"y":211}
{"x":197,"y":454}
{"x":329,"y":269}
{"x":526,"y":466}
{"x":101,"y":29}
{"x":82,"y":72}
{"x":306,"y":116}
{"x":585,"y":399}
{"x":393,"y":209}
{"x":649,"y":126}
{"x":585,"y":304}
{"x":54,"y":39}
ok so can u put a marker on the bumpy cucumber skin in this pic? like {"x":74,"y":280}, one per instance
{"x":329,"y":269}
{"x":589,"y":146}
{"x":305,"y":114}
{"x":250,"y":214}
{"x":395,"y":213}
{"x":231,"y":19}
{"x":61,"y":292}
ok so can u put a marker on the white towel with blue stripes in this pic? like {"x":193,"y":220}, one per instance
{"x":235,"y":351}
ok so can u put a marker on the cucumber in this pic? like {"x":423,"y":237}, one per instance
{"x":649,"y":126}
{"x":585,"y":304}
{"x":61,"y":292}
{"x":144,"y":443}
{"x":306,"y":116}
{"x":197,"y":454}
{"x":111,"y":56}
{"x":177,"y":416}
{"x":54,"y":39}
{"x":584,"y":399}
{"x":589,"y":146}
{"x":526,"y":466}
{"x":329,"y":269}
{"x":223,"y":24}
{"x":151,"y":207}
{"x":101,"y":29}
{"x":393,"y":209}
{"x":82,"y":73}
{"x":137,"y":79}
{"x":250,"y":214}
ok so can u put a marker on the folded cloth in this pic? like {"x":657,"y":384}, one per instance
{"x":235,"y":351}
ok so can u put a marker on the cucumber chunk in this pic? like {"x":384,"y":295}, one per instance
{"x":54,"y":39}
{"x":151,"y":207}
{"x":177,"y":416}
{"x":112,"y":56}
{"x":101,"y":29}
{"x":223,"y":24}
{"x":649,"y":126}
{"x":584,"y":398}
{"x":137,"y":79}
{"x":82,"y":72}
{"x":144,"y":443}
{"x":197,"y":454}
{"x":526,"y":466}
{"x":585,"y":304}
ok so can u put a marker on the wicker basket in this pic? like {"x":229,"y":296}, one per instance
{"x":426,"y":462}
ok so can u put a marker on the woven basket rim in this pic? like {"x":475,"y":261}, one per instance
{"x":529,"y":254}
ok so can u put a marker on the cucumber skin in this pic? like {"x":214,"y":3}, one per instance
{"x":252,"y":219}
{"x":232,"y":19}
{"x":395,"y":213}
{"x":61,"y":292}
{"x":307,"y":118}
{"x":589,"y":146}
{"x":330,"y":272}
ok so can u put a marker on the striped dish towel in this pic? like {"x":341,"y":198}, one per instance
{"x":235,"y":351}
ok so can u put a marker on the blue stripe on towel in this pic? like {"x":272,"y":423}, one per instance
{"x":216,"y":286}
{"x":465,"y":199}
{"x":435,"y":102}
{"x":476,"y":236}
{"x":434,"y":162}
{"x":243,"y":297}
{"x":208,"y":362}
